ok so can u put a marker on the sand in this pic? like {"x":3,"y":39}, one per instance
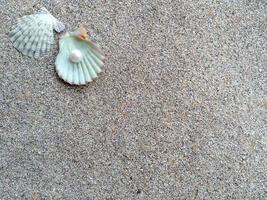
{"x":179,"y":111}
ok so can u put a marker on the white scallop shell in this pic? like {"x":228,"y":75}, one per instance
{"x":79,"y":60}
{"x":33,"y":34}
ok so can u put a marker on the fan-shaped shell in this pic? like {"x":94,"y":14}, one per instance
{"x":33,"y":34}
{"x":79,"y":59}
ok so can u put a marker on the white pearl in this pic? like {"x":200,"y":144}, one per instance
{"x":76,"y":56}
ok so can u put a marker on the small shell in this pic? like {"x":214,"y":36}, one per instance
{"x":33,"y":34}
{"x":79,"y":60}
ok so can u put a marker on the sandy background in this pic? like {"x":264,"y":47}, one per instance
{"x":178,"y":113}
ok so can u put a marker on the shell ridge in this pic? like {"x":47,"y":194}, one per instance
{"x":25,"y":20}
{"x":93,"y":53}
{"x":39,"y":51}
{"x":33,"y":43}
{"x":43,"y":39}
{"x":87,"y":65}
{"x":97,"y":53}
{"x":81,"y":74}
{"x":17,"y":28}
{"x":96,"y":50}
{"x":94,"y":65}
{"x":48,"y":39}
{"x":61,"y":71}
{"x":75,"y":74}
{"x":70,"y":75}
{"x":37,"y":43}
{"x":44,"y":45}
{"x":66,"y":69}
{"x":16,"y":33}
{"x":19,"y":41}
{"x":23,"y":41}
{"x":90,"y":68}
{"x":97,"y":60}
{"x":85,"y":71}
{"x":67,"y":77}
{"x":71,"y":70}
{"x":17,"y":38}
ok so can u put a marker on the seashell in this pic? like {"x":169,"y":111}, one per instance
{"x":33,"y":34}
{"x":79,"y":59}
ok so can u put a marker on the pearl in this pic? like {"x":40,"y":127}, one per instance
{"x":76,"y":56}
